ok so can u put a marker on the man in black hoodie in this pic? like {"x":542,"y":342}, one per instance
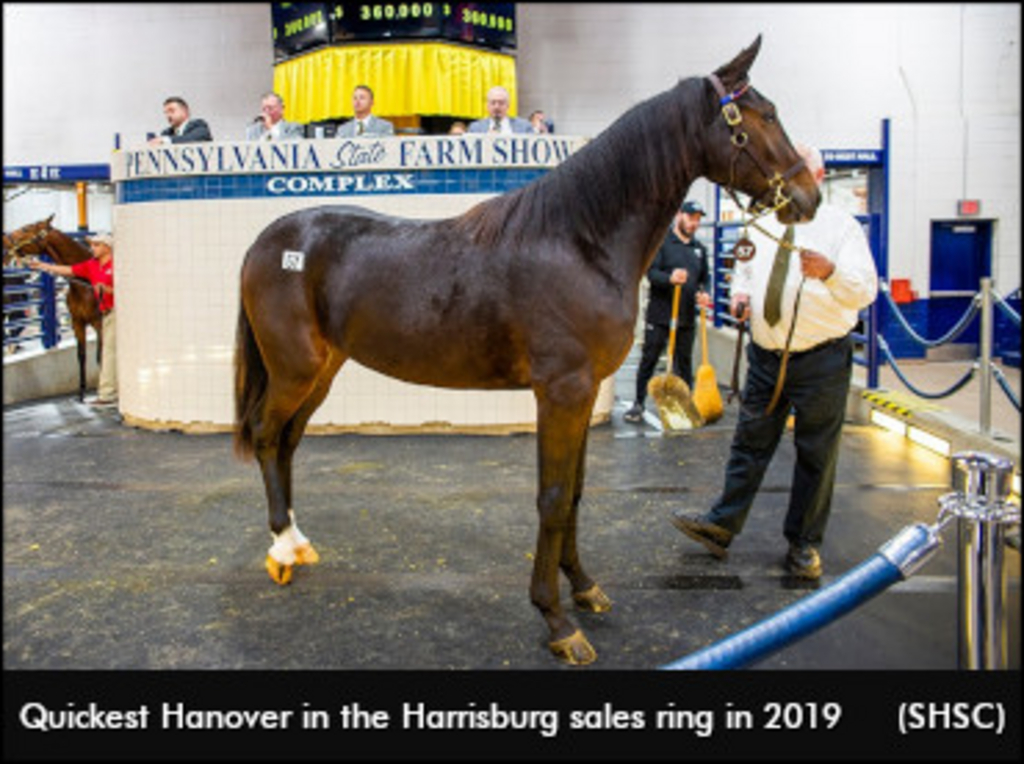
{"x":683,"y":260}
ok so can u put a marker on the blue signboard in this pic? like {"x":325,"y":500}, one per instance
{"x":851,"y":157}
{"x":54,"y":173}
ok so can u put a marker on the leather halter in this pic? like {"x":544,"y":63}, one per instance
{"x":741,"y":140}
{"x":14,"y":250}
{"x":776,"y":183}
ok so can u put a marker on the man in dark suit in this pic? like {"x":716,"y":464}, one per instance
{"x":498,"y":122}
{"x":181,"y":127}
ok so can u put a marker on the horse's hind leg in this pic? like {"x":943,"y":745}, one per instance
{"x":563,"y":409}
{"x":290,"y":401}
{"x":305,"y":553}
{"x":585,"y":592}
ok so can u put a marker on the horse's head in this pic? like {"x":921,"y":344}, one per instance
{"x":748,"y":149}
{"x":28,"y":240}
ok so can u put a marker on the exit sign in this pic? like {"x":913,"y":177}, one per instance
{"x":966,"y":207}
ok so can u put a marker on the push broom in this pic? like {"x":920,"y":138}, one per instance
{"x":670,"y":391}
{"x":706,"y":396}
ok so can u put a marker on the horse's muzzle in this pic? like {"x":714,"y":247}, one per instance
{"x":801,"y":207}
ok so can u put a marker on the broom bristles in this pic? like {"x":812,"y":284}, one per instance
{"x":706,"y":396}
{"x":675,"y":403}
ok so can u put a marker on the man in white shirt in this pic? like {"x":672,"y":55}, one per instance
{"x":498,"y":122}
{"x":833,"y":269}
{"x":271,"y":124}
{"x":364,"y":123}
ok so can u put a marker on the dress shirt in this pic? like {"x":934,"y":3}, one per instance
{"x":829,"y":308}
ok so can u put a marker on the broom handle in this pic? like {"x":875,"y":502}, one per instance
{"x":672,"y":329}
{"x":703,"y":338}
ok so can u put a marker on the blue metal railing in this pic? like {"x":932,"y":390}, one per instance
{"x":34,"y":309}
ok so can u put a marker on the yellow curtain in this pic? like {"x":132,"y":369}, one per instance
{"x":409,"y":78}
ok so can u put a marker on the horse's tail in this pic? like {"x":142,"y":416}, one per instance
{"x":250,"y":385}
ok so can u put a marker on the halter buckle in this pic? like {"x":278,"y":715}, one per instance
{"x":732,"y":115}
{"x":739,"y":140}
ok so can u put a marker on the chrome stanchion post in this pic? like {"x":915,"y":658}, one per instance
{"x":982,"y":484}
{"x":986,"y":356}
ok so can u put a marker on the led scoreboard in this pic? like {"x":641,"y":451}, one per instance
{"x":299,"y":27}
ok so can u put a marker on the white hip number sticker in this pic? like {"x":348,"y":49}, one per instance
{"x":292,"y":260}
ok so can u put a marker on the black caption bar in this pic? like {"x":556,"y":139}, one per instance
{"x":570,"y":714}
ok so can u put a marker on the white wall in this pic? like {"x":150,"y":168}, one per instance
{"x":947,"y":75}
{"x":75,"y":74}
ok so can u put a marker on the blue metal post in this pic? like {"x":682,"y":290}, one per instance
{"x":871,"y":330}
{"x":882,"y":258}
{"x":51,"y":329}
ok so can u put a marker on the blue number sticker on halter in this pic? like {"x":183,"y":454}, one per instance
{"x":292,"y":260}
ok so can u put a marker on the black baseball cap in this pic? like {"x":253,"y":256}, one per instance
{"x":692,"y":208}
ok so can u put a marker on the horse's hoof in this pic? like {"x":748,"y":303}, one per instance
{"x":593,"y":599}
{"x":306,"y":555}
{"x":282,"y":574}
{"x":574,"y":649}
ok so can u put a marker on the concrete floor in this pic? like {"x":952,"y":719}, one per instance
{"x":128,"y":549}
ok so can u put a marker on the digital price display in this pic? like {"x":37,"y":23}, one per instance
{"x":488,"y":24}
{"x":299,"y":27}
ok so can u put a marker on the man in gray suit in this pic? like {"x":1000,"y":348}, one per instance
{"x":499,"y":122}
{"x":364,"y":123}
{"x":271,"y":124}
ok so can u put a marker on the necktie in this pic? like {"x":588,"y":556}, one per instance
{"x":496,"y":127}
{"x":360,"y":128}
{"x":777,"y":279}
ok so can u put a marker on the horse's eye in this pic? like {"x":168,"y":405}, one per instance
{"x":769,"y":117}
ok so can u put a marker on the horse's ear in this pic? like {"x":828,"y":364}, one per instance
{"x":735,"y":72}
{"x":49,"y":220}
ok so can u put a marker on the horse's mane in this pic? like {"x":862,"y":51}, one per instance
{"x":640,"y":158}
{"x":71,"y":244}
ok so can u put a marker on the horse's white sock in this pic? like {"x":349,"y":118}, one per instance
{"x":287,"y":541}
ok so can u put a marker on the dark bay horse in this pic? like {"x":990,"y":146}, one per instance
{"x":41,"y":238}
{"x":537,"y":288}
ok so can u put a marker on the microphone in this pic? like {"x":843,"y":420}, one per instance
{"x":258,"y":118}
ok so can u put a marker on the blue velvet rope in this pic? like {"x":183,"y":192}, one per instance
{"x":1004,"y":383}
{"x":873,"y":576}
{"x":949,"y":336}
{"x":916,"y":390}
{"x":1002,"y":303}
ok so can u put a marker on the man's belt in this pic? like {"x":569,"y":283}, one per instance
{"x":813,"y":349}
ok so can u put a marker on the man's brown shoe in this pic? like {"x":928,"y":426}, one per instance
{"x":714,"y":537}
{"x":803,"y":561}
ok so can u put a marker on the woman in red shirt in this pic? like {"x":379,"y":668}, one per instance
{"x":99,"y":271}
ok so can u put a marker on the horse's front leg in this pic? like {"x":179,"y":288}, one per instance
{"x":585,"y":592}
{"x":563,"y":415}
{"x":80,"y":345}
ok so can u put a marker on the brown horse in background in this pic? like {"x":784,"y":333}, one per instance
{"x":42,"y":238}
{"x":537,"y":288}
